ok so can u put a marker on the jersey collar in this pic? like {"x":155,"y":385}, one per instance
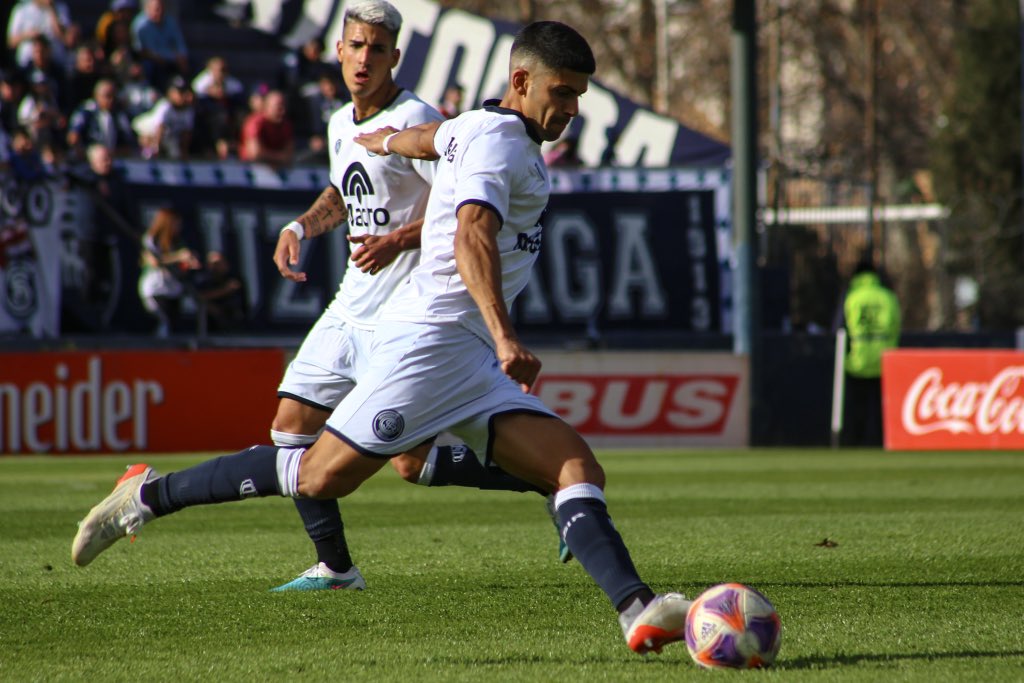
{"x":383,"y":108}
{"x":492,"y":106}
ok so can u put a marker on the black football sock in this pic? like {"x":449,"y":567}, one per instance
{"x":459,"y":466}
{"x":587,"y":529}
{"x":248,"y":474}
{"x":322,"y":519}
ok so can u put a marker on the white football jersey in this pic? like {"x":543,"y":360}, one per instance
{"x":381,"y":193}
{"x":489,"y":157}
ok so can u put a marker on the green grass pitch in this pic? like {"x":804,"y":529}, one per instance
{"x":924,"y":580}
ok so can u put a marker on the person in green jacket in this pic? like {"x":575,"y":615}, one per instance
{"x":872,"y":319}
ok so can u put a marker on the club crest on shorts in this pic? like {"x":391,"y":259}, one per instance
{"x":388,"y":425}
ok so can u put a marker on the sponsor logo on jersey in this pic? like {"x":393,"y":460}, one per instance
{"x":449,"y":152}
{"x":529,"y":243}
{"x":356,"y":183}
{"x":337,"y":146}
{"x":388,"y":425}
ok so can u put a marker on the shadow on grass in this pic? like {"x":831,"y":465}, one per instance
{"x":824,"y":662}
{"x":562,"y":660}
{"x":889,"y":584}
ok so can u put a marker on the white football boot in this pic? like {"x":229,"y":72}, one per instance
{"x":120,"y":514}
{"x":662,"y":621}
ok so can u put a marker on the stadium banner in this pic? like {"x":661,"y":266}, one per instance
{"x":442,"y":46}
{"x":35,"y":222}
{"x":624,"y":251}
{"x":953,"y":399}
{"x":117,"y":401}
{"x":650,"y":399}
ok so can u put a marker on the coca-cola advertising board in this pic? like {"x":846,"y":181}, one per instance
{"x":120,"y":401}
{"x":956,"y":399}
{"x":627,"y":399}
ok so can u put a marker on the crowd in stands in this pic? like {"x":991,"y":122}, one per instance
{"x":129,"y":85}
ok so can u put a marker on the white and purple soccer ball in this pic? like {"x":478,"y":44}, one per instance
{"x":733,"y":626}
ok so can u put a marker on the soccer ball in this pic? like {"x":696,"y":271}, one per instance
{"x":734,"y":626}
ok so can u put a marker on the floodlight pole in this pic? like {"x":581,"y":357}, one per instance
{"x":1021,"y":33}
{"x":747,"y":309}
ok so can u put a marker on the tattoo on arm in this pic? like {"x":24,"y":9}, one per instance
{"x":326,"y":214}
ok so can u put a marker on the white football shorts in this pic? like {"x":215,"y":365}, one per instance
{"x":328,"y":364}
{"x":423,"y":380}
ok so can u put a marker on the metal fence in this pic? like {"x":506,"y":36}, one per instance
{"x":938,"y":258}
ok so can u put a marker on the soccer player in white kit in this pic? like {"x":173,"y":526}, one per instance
{"x":383,"y":198}
{"x":445,"y":356}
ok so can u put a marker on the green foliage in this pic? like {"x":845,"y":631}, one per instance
{"x":977,"y":160}
{"x":923,"y":580}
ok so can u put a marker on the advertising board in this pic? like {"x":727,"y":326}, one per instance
{"x":121,"y":401}
{"x":953,"y":399}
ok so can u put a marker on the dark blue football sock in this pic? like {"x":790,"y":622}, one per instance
{"x":322,"y":519}
{"x":588,"y":530}
{"x":459,"y":466}
{"x":248,"y":474}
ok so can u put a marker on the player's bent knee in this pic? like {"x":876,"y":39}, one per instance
{"x":582,"y":470}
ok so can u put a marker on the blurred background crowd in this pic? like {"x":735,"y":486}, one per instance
{"x":128,"y":84}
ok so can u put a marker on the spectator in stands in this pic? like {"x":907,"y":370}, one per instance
{"x":118,"y":47}
{"x":320,"y":107}
{"x":302,"y":69}
{"x":300,"y":75}
{"x":31,"y":19}
{"x":216,"y":73}
{"x":115,"y":24}
{"x":41,"y":59}
{"x":166,"y":129}
{"x":137,"y":95}
{"x":221,"y":291}
{"x":101,"y":120}
{"x":158,"y":40}
{"x":81,"y":82}
{"x":12,"y":89}
{"x":102,"y":176}
{"x":564,"y":153}
{"x":165,"y":263}
{"x":267,"y":135}
{"x":217,"y":123}
{"x":25,"y":162}
{"x":451,"y":101}
{"x":39,"y":114}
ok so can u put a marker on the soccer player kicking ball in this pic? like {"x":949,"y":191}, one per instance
{"x":445,"y":356}
{"x":383,"y":198}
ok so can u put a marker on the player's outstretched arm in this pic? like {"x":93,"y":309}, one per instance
{"x":479,"y":263}
{"x":326,"y":214}
{"x":415,"y":143}
{"x":377,"y":251}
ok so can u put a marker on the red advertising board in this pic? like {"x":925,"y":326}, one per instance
{"x":649,"y":399}
{"x":955,"y":399}
{"x":114,"y":401}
